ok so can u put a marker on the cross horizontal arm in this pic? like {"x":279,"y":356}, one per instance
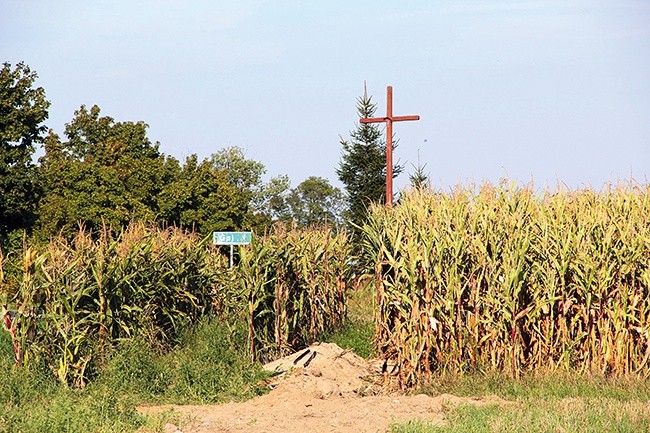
{"x":386,"y":119}
{"x":403,"y":118}
{"x":373,"y":120}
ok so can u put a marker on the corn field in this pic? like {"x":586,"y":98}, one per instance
{"x":73,"y":301}
{"x":69,"y":304}
{"x":295,"y":283}
{"x":503,"y":278}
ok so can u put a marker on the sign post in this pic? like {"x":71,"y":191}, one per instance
{"x":232,"y":239}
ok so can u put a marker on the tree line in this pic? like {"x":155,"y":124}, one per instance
{"x":105,"y":173}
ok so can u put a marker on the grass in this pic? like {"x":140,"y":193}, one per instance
{"x":210,"y":365}
{"x":68,"y":411}
{"x":358,"y":332}
{"x":31,"y":400}
{"x":551,"y":403}
{"x":557,"y":385}
{"x":356,"y":335}
{"x":566,"y":415}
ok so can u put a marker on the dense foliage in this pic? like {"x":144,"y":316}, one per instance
{"x":23,"y":109}
{"x":210,"y":364}
{"x":106,"y":173}
{"x":69,"y":304}
{"x":295,"y":283}
{"x":314,"y":202}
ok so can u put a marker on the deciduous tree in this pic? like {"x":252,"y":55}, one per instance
{"x":23,"y":109}
{"x":201,"y":197}
{"x":107,"y":172}
{"x":315,"y":201}
{"x":267,"y":200}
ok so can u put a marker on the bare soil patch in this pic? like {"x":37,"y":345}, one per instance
{"x":320,"y":389}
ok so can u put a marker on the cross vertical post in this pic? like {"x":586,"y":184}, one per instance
{"x":389,"y":119}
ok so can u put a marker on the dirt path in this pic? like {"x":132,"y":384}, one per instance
{"x":314,"y":394}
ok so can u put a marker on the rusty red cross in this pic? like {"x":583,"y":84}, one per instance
{"x":389,"y":119}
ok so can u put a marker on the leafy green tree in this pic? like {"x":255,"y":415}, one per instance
{"x":267,"y":200}
{"x":242,"y":173}
{"x":224,"y":192}
{"x":23,"y":109}
{"x":270,"y":203}
{"x":362,"y":169}
{"x":202,"y":197}
{"x":107,"y":172}
{"x":315,"y":201}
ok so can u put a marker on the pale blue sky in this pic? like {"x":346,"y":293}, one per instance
{"x":544,"y":90}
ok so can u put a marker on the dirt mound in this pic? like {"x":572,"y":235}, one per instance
{"x":323,"y":370}
{"x":320,"y":389}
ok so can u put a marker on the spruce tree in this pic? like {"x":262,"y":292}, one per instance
{"x":362,"y":169}
{"x":419,"y":179}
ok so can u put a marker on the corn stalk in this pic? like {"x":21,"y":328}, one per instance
{"x":295,"y":282}
{"x":74,"y":301}
{"x":501,"y":278}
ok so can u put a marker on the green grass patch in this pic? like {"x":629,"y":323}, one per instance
{"x":67,"y":411}
{"x":31,"y":401}
{"x":543,"y":416}
{"x":356,"y":335}
{"x":358,"y":332}
{"x":550,"y":403}
{"x":210,"y":365}
{"x":557,"y":385}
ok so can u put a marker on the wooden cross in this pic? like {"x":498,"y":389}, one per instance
{"x":389,"y":119}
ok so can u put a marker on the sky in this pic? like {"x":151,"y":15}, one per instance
{"x":554,"y":92}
